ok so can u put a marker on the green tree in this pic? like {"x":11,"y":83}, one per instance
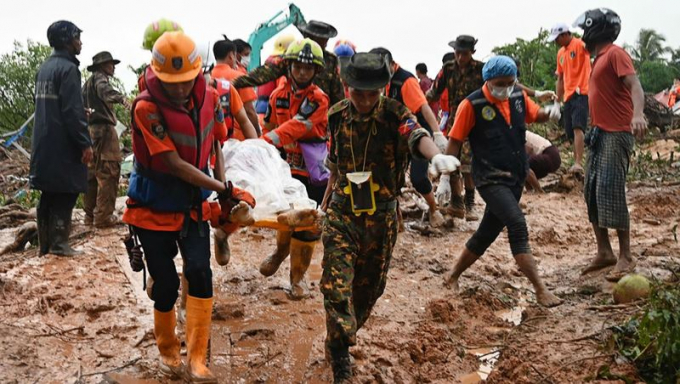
{"x":656,"y":75}
{"x":536,"y":59}
{"x":17,"y":82}
{"x":648,"y":47}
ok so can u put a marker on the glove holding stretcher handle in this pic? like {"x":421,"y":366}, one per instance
{"x":444,"y":164}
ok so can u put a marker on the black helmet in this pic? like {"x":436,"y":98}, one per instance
{"x":599,"y":25}
{"x":61,"y":32}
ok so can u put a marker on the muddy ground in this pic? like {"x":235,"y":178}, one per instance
{"x":86,"y":319}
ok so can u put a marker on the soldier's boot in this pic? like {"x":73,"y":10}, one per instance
{"x":271,"y":264}
{"x":199,"y":313}
{"x":164,"y":324}
{"x":108,"y":221}
{"x":59,"y":231}
{"x":470,"y":215}
{"x":457,"y":207}
{"x":183,"y":299}
{"x":341,"y":364}
{"x":90,"y":200}
{"x":222,"y":251}
{"x":300,"y":257}
{"x":43,"y":219}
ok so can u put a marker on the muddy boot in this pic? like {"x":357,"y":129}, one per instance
{"x":182,"y":316}
{"x":341,"y":364}
{"x":470,"y":215}
{"x":271,"y":264}
{"x":457,"y":207}
{"x":199,"y":313}
{"x":164,"y":324}
{"x":43,"y":219}
{"x":59,"y":231}
{"x":300,"y":257}
{"x":222,"y":252}
{"x":109,"y":221}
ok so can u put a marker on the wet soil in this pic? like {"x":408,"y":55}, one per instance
{"x":86,"y":319}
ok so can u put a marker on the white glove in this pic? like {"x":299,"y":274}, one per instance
{"x":444,"y":164}
{"x":545,"y":95}
{"x":440,"y":141}
{"x":553,"y":111}
{"x":443,"y":193}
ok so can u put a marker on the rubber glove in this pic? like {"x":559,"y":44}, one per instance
{"x":444,"y":164}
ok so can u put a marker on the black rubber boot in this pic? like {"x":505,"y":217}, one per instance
{"x":43,"y":219}
{"x":341,"y":364}
{"x":469,"y":198}
{"x":59,"y":231}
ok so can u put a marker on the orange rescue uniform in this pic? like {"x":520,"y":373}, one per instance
{"x":573,"y":63}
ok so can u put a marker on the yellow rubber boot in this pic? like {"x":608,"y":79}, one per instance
{"x":300,"y":257}
{"x":199,"y":316}
{"x":168,"y":344}
{"x":272,"y":263}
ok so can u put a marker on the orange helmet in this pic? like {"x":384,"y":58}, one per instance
{"x":175,"y":58}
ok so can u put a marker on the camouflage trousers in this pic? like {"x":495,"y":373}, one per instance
{"x":357,"y":254}
{"x":103,"y":174}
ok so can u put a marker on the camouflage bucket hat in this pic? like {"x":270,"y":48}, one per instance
{"x":366,"y":71}
{"x":463,"y":43}
{"x":101,"y":58}
{"x":318,"y":29}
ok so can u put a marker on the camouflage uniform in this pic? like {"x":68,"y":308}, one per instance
{"x":460,"y":82}
{"x":328,"y":79}
{"x":358,"y":249}
{"x":103,"y":171}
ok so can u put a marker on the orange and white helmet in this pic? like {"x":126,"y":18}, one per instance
{"x":175,"y":58}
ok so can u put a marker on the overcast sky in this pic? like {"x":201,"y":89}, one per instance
{"x":413,"y":30}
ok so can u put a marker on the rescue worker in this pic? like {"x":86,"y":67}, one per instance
{"x":460,"y":77}
{"x":297,"y":117}
{"x":243,"y":50}
{"x":404,"y":88}
{"x":225,"y":68}
{"x":174,"y":125}
{"x":104,"y":171}
{"x":544,"y":158}
{"x":370,"y":133}
{"x":265,"y":90}
{"x":673,"y":94}
{"x":573,"y":71}
{"x":61,"y":146}
{"x":494,"y":120}
{"x":152,"y":32}
{"x":425,"y":84}
{"x":328,"y":79}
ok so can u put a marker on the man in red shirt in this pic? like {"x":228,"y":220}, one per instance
{"x":616,"y":108}
{"x":573,"y":72}
{"x":425,"y":85}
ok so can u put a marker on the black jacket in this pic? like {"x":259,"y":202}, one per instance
{"x":60,"y":130}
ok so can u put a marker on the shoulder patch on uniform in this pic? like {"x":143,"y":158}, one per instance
{"x":282,"y":102}
{"x":488,"y":113}
{"x":307,"y":108}
{"x":339,"y":106}
{"x":158,"y":130}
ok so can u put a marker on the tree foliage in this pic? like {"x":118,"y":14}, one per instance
{"x":650,"y":46}
{"x":17,"y":82}
{"x":536,"y":58}
{"x":652,"y":62}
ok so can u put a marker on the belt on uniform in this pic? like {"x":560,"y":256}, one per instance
{"x":379,"y":206}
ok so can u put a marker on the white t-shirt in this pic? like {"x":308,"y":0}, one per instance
{"x":536,"y":143}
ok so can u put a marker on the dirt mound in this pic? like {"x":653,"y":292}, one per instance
{"x":664,"y":203}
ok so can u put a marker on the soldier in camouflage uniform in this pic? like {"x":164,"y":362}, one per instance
{"x":460,"y":77}
{"x":328,"y":79}
{"x":104,"y":171}
{"x":369,"y":133}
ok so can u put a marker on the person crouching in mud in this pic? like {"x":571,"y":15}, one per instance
{"x":494,"y":119}
{"x":370,"y":138}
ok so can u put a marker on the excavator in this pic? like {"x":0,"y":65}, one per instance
{"x":269,"y":29}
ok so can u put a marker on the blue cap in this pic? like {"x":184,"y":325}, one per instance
{"x":499,"y":66}
{"x":344,"y":50}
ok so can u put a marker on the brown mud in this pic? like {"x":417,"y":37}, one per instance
{"x":83,"y":320}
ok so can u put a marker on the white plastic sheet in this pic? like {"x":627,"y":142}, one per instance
{"x":257,"y":167}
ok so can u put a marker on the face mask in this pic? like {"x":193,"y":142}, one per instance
{"x":245,"y":60}
{"x":501,"y":93}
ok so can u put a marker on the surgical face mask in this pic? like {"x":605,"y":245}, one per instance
{"x":245,"y":60}
{"x":501,"y":93}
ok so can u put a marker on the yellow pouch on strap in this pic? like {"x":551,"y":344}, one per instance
{"x":361,"y":191}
